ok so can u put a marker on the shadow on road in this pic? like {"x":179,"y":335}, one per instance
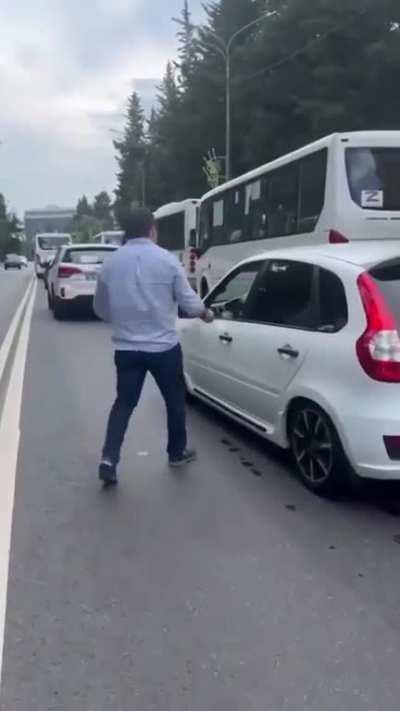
{"x":384,"y":496}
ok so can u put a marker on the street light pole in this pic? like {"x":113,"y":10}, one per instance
{"x":224,"y":47}
{"x":228,"y":117}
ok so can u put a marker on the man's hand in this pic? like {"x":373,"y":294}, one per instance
{"x":207,"y":316}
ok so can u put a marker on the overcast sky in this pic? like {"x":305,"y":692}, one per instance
{"x":66,"y":69}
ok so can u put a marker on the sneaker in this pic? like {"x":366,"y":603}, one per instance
{"x":108,"y":474}
{"x":189,"y":455}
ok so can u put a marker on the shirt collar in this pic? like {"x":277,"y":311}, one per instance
{"x":138,"y":240}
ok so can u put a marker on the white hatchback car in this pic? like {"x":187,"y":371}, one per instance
{"x":72,"y":277}
{"x":305,"y":350}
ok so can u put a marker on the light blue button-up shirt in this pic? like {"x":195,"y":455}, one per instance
{"x":139,"y":291}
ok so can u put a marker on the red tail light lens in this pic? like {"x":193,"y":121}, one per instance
{"x":66,"y":272}
{"x":336,"y":237}
{"x":378,"y":349}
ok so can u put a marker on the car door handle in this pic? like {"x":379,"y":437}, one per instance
{"x":288,"y":352}
{"x":226,"y":338}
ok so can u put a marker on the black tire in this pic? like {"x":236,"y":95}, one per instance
{"x":317,"y":450}
{"x":59,"y":310}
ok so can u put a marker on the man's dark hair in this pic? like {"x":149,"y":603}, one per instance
{"x":136,"y":222}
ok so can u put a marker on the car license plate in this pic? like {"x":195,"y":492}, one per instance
{"x":91,"y":277}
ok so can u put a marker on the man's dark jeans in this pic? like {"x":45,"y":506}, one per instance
{"x":132,"y":368}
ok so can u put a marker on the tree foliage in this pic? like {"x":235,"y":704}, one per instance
{"x":90,"y":219}
{"x":312,"y":68}
{"x":131,"y":157}
{"x":11,"y":234}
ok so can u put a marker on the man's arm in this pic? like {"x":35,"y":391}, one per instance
{"x":101,"y":302}
{"x":188,"y":301}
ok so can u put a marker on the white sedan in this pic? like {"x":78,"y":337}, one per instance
{"x":305,"y":351}
{"x":72,"y":277}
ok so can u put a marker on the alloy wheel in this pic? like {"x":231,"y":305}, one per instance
{"x":313,"y":445}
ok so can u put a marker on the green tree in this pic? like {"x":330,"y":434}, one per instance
{"x":131,"y":157}
{"x":313,"y":68}
{"x":11,"y":233}
{"x":187,"y":49}
{"x":102,"y":209}
{"x":3,"y":207}
{"x":83,"y":208}
{"x":85,"y":225}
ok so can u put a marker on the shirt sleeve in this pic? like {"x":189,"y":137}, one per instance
{"x":101,"y":302}
{"x":188,"y":301}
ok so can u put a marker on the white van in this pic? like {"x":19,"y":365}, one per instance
{"x":46,"y":246}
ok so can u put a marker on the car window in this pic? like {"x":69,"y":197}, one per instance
{"x":283,"y":295}
{"x":87,"y":256}
{"x":333,"y":309}
{"x":229,"y":299}
{"x":387,"y":276}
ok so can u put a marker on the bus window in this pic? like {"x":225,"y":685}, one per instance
{"x":284,"y":201}
{"x":205,"y":231}
{"x":312,"y":189}
{"x":171,"y":232}
{"x":234,"y":215}
{"x":257,"y":208}
{"x":218,"y":232}
{"x":374,"y":177}
{"x":193,"y":239}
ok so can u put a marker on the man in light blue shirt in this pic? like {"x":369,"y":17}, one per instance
{"x":139,"y":291}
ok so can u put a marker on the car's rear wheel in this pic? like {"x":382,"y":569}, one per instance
{"x":318,"y":453}
{"x":59,"y":310}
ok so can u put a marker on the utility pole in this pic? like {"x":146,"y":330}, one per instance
{"x":224,"y":48}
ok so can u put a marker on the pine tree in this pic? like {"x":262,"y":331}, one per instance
{"x":3,"y":207}
{"x":102,"y":209}
{"x":187,"y":49}
{"x":83,"y":209}
{"x":165,"y":138}
{"x":131,"y":158}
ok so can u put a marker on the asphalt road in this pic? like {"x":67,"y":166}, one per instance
{"x":224,"y":588}
{"x":12,"y":285}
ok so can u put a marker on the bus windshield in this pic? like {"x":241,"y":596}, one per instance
{"x":52,"y":242}
{"x":374,"y":177}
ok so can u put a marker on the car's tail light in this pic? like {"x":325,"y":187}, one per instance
{"x":378,"y":349}
{"x":336,"y":237}
{"x":392,"y":445}
{"x":66,"y":272}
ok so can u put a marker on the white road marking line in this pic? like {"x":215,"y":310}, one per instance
{"x":9,"y":447}
{"x":12,"y":329}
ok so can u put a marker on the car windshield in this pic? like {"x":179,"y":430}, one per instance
{"x":374,"y":177}
{"x":52,"y":242}
{"x":87,"y":256}
{"x":387,"y":276}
